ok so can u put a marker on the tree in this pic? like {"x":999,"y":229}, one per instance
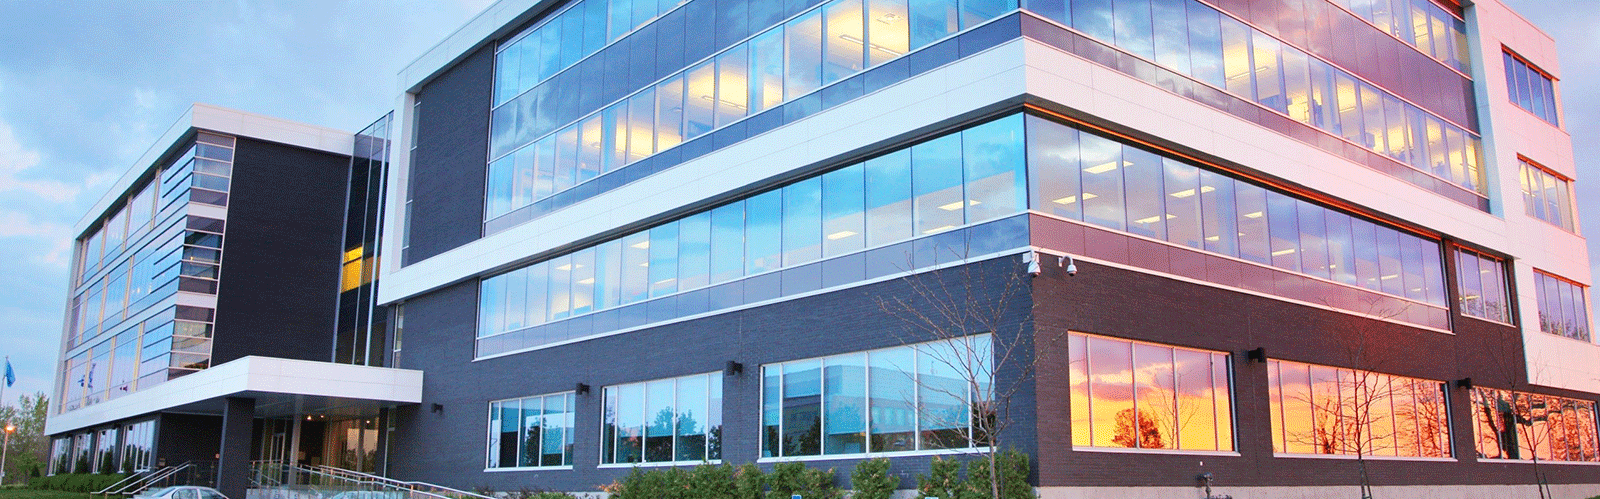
{"x":29,"y":451}
{"x":1149,"y":435}
{"x":1518,"y":420}
{"x":956,"y":307}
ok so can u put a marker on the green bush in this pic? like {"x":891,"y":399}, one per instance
{"x":550,"y":495}
{"x":942,"y":481}
{"x":749,"y":482}
{"x":871,"y":480}
{"x":1013,"y":477}
{"x":76,"y":482}
{"x":665,"y":483}
{"x":788,"y":479}
{"x":711,"y":482}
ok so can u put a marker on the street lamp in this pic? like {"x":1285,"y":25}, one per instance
{"x":5,"y":449}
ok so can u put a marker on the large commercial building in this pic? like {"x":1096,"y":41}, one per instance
{"x":1296,"y":245}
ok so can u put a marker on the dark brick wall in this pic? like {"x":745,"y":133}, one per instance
{"x":280,"y":258}
{"x":449,"y":447}
{"x":448,"y":168}
{"x":1128,"y":304}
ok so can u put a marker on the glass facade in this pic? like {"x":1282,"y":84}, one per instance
{"x":674,"y":420}
{"x":361,"y":321}
{"x":906,"y":398}
{"x":843,"y":226}
{"x":811,"y":50}
{"x":1547,"y":196}
{"x":1132,"y":394}
{"x":1331,"y":410}
{"x":138,"y":445}
{"x":1526,"y":426}
{"x":1482,"y":289}
{"x":124,"y":334}
{"x":950,"y":197}
{"x":1531,"y":88}
{"x":1195,"y":40}
{"x":1563,"y":308}
{"x":531,"y":432}
{"x":1420,"y":23}
{"x":1083,"y":176}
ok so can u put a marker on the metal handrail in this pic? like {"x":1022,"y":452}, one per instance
{"x":415,"y":490}
{"x":138,"y":486}
{"x":133,"y":477}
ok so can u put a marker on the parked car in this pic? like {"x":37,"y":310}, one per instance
{"x":181,"y":492}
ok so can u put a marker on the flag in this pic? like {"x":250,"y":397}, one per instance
{"x":11,"y":376}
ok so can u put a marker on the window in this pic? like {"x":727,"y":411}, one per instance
{"x":1132,"y":394}
{"x":1482,"y":290}
{"x":1332,"y":410}
{"x":1547,"y":196}
{"x":1517,"y":425}
{"x":1531,"y":88}
{"x":1081,"y":176}
{"x":532,"y":432}
{"x":674,"y":420}
{"x":1563,"y":309}
{"x":907,"y":398}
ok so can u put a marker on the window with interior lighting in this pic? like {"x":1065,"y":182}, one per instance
{"x":1547,"y":195}
{"x":1482,"y":290}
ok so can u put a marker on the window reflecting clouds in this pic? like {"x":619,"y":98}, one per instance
{"x":1329,"y":410}
{"x":1133,"y":394}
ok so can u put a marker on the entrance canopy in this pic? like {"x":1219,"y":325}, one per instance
{"x":280,"y":387}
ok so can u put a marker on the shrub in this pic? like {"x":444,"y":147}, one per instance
{"x":550,"y":495}
{"x":665,"y":483}
{"x":75,"y":482}
{"x":711,"y":482}
{"x":749,"y":482}
{"x":788,"y":479}
{"x":942,"y":481}
{"x":1013,"y":477}
{"x":871,"y":480}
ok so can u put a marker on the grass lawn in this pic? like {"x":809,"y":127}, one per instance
{"x":41,"y":494}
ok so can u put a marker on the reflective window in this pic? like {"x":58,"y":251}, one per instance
{"x":541,"y":145}
{"x":531,"y":432}
{"x":1131,"y":394}
{"x":827,"y":406}
{"x":1547,"y":196}
{"x":1420,"y":23}
{"x":1193,"y":39}
{"x":1329,"y":410}
{"x":1483,"y":291}
{"x":663,"y":421}
{"x":1531,"y":88}
{"x":1526,"y":426}
{"x":927,"y":188}
{"x":1563,"y":308}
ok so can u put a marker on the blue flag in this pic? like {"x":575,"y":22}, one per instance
{"x":11,"y":376}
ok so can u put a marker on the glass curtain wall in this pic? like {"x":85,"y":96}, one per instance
{"x":361,"y":321}
{"x":144,"y":251}
{"x":1524,"y":426}
{"x":962,"y":180}
{"x":1196,"y":40}
{"x":1132,"y":394}
{"x":1420,"y":23}
{"x":789,"y":60}
{"x":1330,"y":410}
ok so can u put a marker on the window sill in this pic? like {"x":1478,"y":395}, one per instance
{"x":1352,"y":457}
{"x":528,"y":468}
{"x":868,"y":455}
{"x":1170,"y":452}
{"x":657,"y":465}
{"x":1530,"y":461}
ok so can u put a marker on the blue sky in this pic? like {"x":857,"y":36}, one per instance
{"x":87,"y":86}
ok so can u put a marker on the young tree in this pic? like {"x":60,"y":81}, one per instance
{"x":29,"y":451}
{"x":1517,"y":420}
{"x":976,"y":314}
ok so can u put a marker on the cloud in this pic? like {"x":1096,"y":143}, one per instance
{"x":16,"y":160}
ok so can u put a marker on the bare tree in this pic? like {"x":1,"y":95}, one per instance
{"x":971,"y":313}
{"x":1518,"y":420}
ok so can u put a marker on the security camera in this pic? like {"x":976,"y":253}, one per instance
{"x":1069,"y":263}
